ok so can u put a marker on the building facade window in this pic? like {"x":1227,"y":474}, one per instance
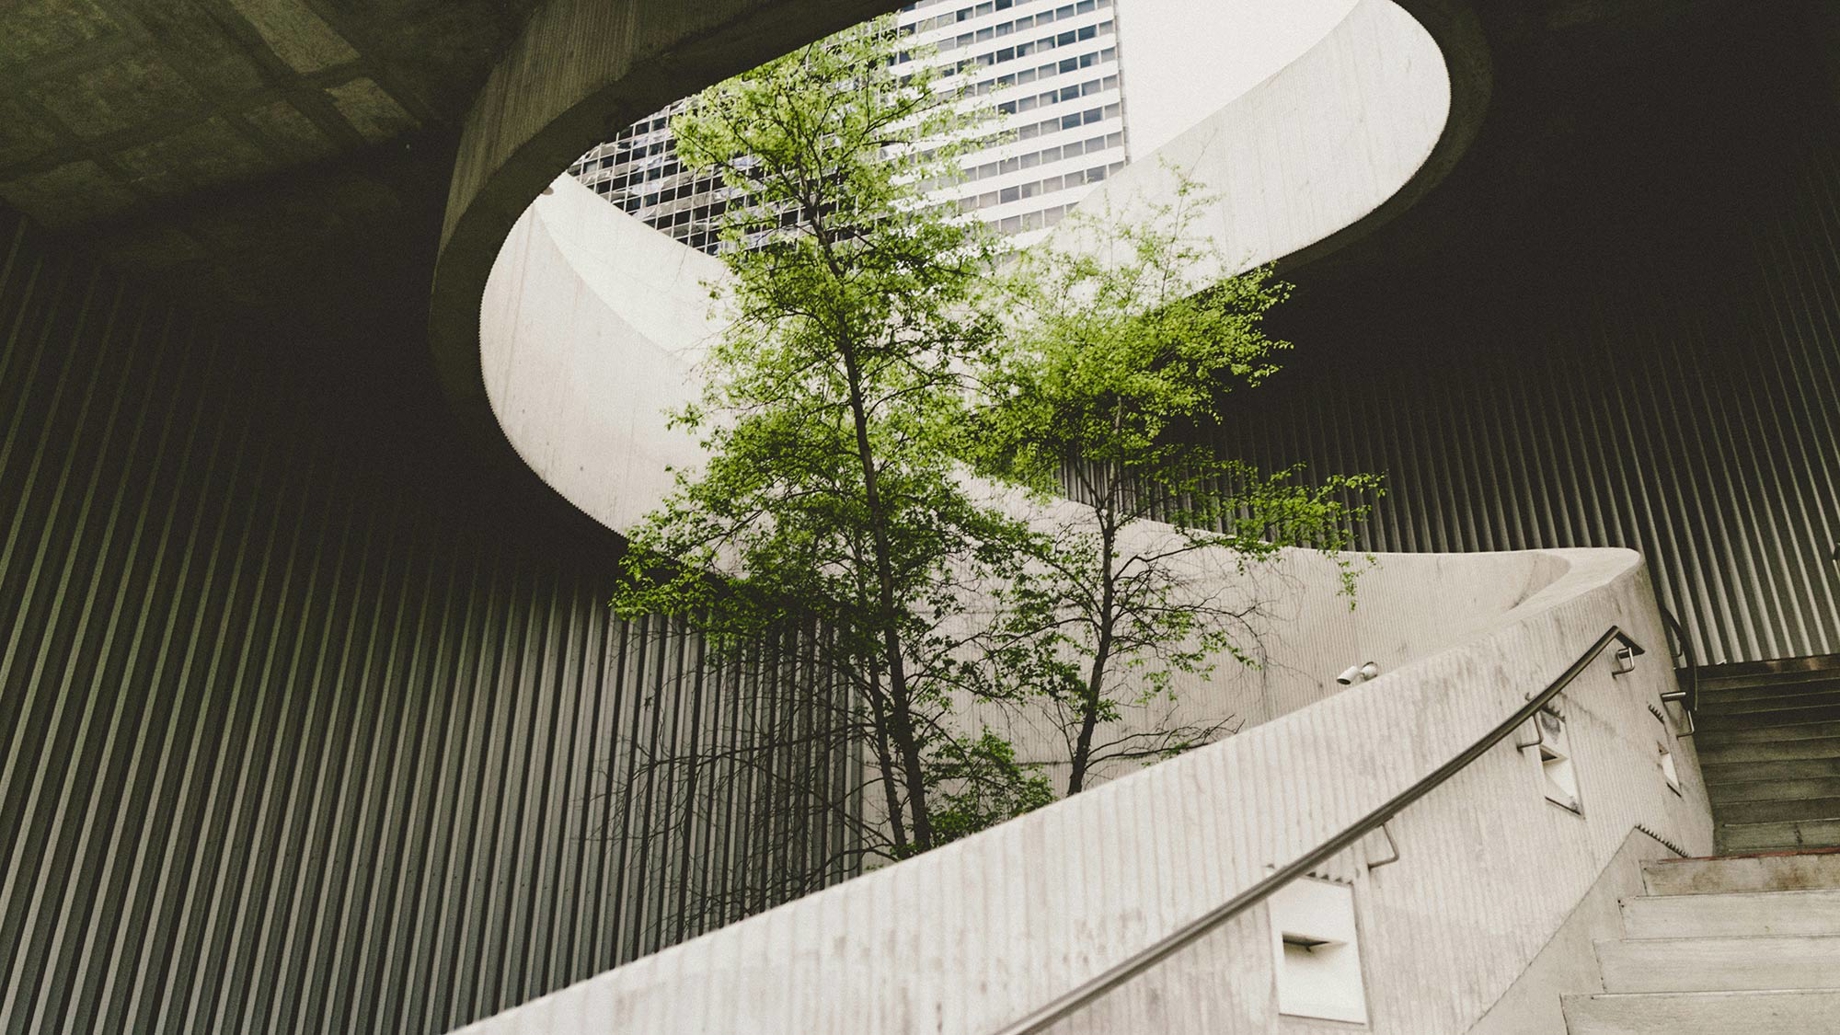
{"x":638,"y":169}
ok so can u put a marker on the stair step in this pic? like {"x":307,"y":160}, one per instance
{"x":1763,"y":684}
{"x":1776,"y":810}
{"x":1716,"y":749}
{"x":1733,"y":916}
{"x":1785,"y":871}
{"x":1720,"y":964}
{"x":1827,"y":713}
{"x":1728,"y":689}
{"x":1738,"y":791}
{"x":1779,"y":836}
{"x":1727,"y":773}
{"x":1802,"y":1012}
{"x":1723,"y":737}
{"x":1778,"y":668}
{"x":1710,"y":705}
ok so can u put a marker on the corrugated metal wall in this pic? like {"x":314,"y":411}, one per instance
{"x":1672,"y":385}
{"x":292,"y":739}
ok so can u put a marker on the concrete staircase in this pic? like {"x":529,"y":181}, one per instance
{"x":1769,"y":746}
{"x":1749,"y":942}
{"x":1743,"y":945}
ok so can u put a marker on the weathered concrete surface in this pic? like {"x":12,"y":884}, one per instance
{"x":295,"y":156}
{"x":1379,"y":101}
{"x":1488,"y":870}
{"x":104,"y":81}
{"x":582,"y":70}
{"x":1735,"y":915}
{"x":119,"y":117}
{"x":584,"y":307}
{"x":1757,"y":963}
{"x":1567,"y":965}
{"x":591,"y":327}
{"x":1778,"y":871}
{"x":1811,"y":1012}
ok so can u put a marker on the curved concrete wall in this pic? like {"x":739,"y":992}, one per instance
{"x":583,"y":69}
{"x":1024,"y":910}
{"x":1316,"y":148}
{"x":592,"y":326}
{"x":589,"y":319}
{"x":588,"y":335}
{"x":1488,"y":869}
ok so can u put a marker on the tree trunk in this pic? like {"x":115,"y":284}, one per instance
{"x":1102,"y":653}
{"x":884,"y":759}
{"x":900,"y":720}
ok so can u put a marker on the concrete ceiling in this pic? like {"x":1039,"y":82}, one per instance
{"x":296,"y":155}
{"x":155,"y":129}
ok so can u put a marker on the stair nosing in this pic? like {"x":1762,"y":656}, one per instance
{"x":1723,"y":937}
{"x":1708,"y":992}
{"x":1732,"y":894}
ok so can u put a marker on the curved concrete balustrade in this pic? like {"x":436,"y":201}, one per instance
{"x":584,"y":68}
{"x":583,"y":300}
{"x":589,"y":330}
{"x":580,"y":71}
{"x":1328,"y":144}
{"x":589,"y":327}
{"x":976,"y":933}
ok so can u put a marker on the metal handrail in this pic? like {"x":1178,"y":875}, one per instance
{"x":1064,"y":1005}
{"x":1689,"y":695}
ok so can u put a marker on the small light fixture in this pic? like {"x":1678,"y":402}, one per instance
{"x":1317,"y":951}
{"x":1668,"y":771}
{"x":1358,"y":673}
{"x":1559,"y":776}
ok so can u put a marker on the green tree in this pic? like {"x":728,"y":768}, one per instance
{"x":829,"y":496}
{"x":1131,"y":339}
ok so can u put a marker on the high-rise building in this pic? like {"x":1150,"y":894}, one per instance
{"x":1051,"y":68}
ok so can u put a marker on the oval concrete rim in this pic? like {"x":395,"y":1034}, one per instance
{"x":543,"y":105}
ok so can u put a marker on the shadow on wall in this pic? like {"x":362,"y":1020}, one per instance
{"x":1614,"y":328}
{"x":300,"y":724}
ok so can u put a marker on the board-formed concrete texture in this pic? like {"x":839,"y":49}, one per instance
{"x":1378,"y":95}
{"x":1487,"y":870}
{"x":315,"y":121}
{"x":318,"y":186}
{"x":584,"y":302}
{"x":590,"y":332}
{"x":589,"y":328}
{"x":519,"y":136}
